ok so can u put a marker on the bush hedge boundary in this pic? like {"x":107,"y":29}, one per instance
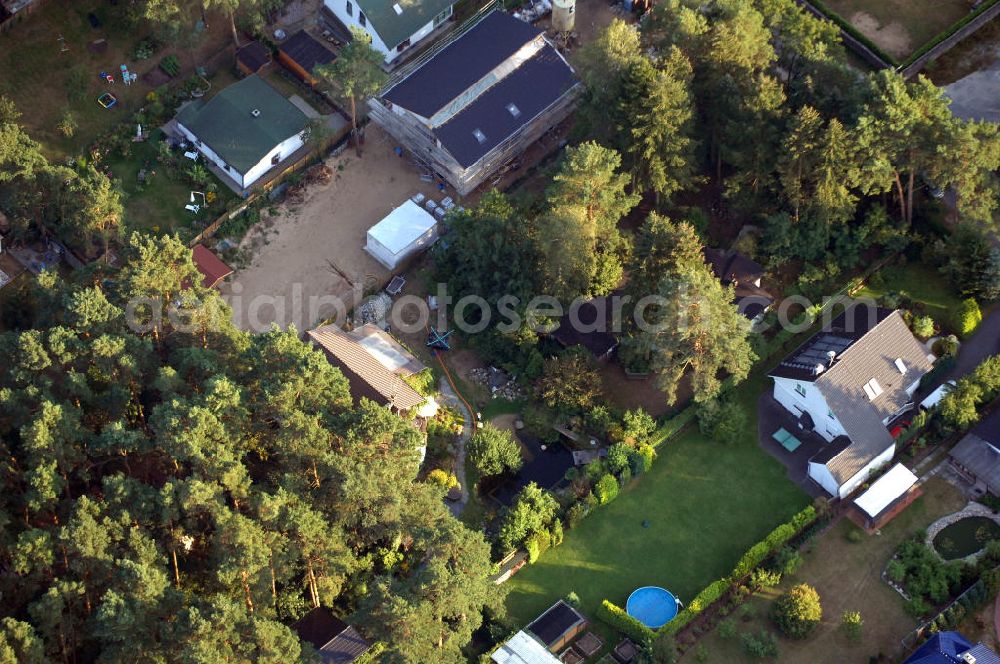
{"x":616,"y":617}
{"x":946,"y":33}
{"x":849,"y":28}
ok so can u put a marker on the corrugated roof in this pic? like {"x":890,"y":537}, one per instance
{"x":979,"y":456}
{"x":948,"y":648}
{"x":873,"y":356}
{"x":360,"y":365}
{"x":885,"y":490}
{"x":460,"y":64}
{"x":522,"y":648}
{"x":227,"y":124}
{"x":395,"y":27}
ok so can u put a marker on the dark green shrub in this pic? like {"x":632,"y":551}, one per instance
{"x":616,"y":617}
{"x":760,"y":645}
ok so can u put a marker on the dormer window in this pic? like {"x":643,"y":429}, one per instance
{"x":873,"y":389}
{"x":396,"y":8}
{"x":900,"y":365}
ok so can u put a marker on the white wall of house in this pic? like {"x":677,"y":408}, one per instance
{"x":822,"y":475}
{"x":824,"y":478}
{"x":802,"y":396}
{"x":283,"y":150}
{"x":863,"y":475}
{"x":351,"y":18}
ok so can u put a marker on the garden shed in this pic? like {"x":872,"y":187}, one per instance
{"x":405,"y":231}
{"x":887,"y":497}
{"x":301,"y":54}
{"x":559,"y":625}
{"x":522,"y":648}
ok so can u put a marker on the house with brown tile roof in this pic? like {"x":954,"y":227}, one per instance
{"x":375,"y":364}
{"x":849,"y":383}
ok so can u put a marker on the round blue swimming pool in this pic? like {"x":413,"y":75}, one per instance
{"x":653,"y":606}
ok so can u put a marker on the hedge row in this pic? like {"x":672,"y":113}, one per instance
{"x":847,"y":27}
{"x":754,"y":556}
{"x":951,"y":30}
{"x":617,"y":618}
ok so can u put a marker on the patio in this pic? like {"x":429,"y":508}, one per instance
{"x":772,"y":418}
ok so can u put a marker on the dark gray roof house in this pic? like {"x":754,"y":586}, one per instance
{"x":978,"y":453}
{"x":849,"y":383}
{"x":745,"y":276}
{"x":480,"y":100}
{"x":334,"y":640}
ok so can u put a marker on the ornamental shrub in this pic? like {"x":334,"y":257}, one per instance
{"x":575,"y":514}
{"x":798,"y":611}
{"x":923,"y":327}
{"x":851,"y":623}
{"x":606,"y":489}
{"x":618,"y":458}
{"x":760,"y":645}
{"x":764,"y":578}
{"x":967,"y":317}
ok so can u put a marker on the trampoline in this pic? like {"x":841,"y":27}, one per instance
{"x":653,"y":606}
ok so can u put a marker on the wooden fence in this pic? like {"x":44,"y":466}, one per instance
{"x":339,"y":145}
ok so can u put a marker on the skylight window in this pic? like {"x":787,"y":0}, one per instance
{"x":397,"y":9}
{"x":513,"y":110}
{"x":873,"y":389}
{"x":900,"y":365}
{"x":480,"y":136}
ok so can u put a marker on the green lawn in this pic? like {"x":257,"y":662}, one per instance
{"x":900,"y":26}
{"x":923,"y":283}
{"x":847,"y":576}
{"x":706,"y":503}
{"x":158,"y":206}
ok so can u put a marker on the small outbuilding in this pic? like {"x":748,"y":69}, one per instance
{"x":252,"y":57}
{"x":301,"y":54}
{"x":886,"y":498}
{"x":559,"y":625}
{"x":334,"y":640}
{"x":212,"y":269}
{"x":522,"y":648}
{"x":977,"y":455}
{"x":405,"y":231}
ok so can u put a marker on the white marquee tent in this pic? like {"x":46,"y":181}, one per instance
{"x":406,"y":230}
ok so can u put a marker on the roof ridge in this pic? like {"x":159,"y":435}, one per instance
{"x":846,"y":353}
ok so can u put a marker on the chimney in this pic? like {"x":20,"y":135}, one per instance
{"x":830,"y":357}
{"x":255,"y":112}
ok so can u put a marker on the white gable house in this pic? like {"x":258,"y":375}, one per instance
{"x":848,"y":384}
{"x":395,"y":26}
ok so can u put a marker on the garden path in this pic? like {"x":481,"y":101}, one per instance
{"x":451,"y":399}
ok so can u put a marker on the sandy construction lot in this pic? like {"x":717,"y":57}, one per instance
{"x":308,"y":260}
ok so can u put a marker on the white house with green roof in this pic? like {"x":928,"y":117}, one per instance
{"x":395,"y":26}
{"x":246,"y":129}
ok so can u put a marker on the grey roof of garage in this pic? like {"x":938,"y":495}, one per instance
{"x":227,"y":125}
{"x":978,"y":451}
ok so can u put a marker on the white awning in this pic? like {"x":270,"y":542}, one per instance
{"x":522,"y":649}
{"x":402,"y":227}
{"x":888,"y":488}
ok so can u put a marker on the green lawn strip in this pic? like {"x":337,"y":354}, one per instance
{"x":923,"y":283}
{"x":847,"y":576}
{"x":706,"y":504}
